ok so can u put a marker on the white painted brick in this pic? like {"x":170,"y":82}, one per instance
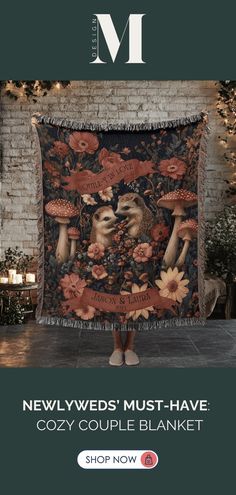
{"x":134,"y":101}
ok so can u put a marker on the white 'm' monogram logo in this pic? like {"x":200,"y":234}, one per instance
{"x":113,"y":42}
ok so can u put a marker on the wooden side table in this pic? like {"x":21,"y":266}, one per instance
{"x":20,"y":290}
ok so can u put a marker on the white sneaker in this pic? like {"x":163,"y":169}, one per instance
{"x":116,"y":358}
{"x":131,"y":358}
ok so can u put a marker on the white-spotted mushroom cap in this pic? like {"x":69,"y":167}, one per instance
{"x":73,"y":233}
{"x":178,"y":200}
{"x":61,"y":208}
{"x":188,"y":229}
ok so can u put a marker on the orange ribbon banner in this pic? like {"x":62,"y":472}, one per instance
{"x":119,"y":303}
{"x":86,"y":182}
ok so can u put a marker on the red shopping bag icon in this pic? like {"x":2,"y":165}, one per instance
{"x":149,"y":459}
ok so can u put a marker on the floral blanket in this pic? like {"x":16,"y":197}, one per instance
{"x":121,"y":223}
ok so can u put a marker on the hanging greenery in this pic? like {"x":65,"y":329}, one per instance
{"x":30,"y":89}
{"x":226,"y":107}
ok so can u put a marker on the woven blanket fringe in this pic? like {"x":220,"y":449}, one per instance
{"x":40,"y":224}
{"x":37,"y":118}
{"x":142,"y":326}
{"x":201,"y":217}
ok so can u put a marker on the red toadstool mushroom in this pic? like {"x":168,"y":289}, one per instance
{"x":186,"y":231}
{"x":62,"y":210}
{"x":73,"y":235}
{"x":177,"y":201}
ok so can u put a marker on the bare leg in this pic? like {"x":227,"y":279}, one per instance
{"x":117,"y":357}
{"x":117,"y":339}
{"x":129,"y":343}
{"x":131,"y":358}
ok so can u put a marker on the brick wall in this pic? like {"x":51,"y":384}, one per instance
{"x":135,"y":101}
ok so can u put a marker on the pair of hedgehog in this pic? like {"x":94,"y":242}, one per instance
{"x":131,"y":206}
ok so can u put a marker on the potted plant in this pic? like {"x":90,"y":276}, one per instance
{"x":15,"y":258}
{"x":221,"y":250}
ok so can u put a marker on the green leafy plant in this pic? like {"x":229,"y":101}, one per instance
{"x":13,"y":313}
{"x":221,"y":244}
{"x":15,"y":258}
{"x":221,"y":251}
{"x":2,"y":266}
{"x":226,"y":108}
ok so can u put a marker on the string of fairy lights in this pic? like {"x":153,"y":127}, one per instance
{"x":30,"y":89}
{"x":226,"y":108}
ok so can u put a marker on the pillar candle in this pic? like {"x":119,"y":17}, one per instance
{"x":12,"y":274}
{"x":18,"y":279}
{"x":30,"y":277}
{"x":3,"y":280}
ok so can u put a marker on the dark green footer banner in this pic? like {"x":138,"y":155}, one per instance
{"x":49,"y":417}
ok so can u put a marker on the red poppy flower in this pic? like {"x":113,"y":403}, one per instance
{"x":60,"y":149}
{"x":159,"y":232}
{"x":84,"y":142}
{"x":173,"y":168}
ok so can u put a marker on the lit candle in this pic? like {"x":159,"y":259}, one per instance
{"x":30,"y":277}
{"x":18,"y":279}
{"x":12,"y":274}
{"x":3,"y":280}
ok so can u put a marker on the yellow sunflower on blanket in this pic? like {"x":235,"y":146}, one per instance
{"x":135,"y":289}
{"x":172,"y":285}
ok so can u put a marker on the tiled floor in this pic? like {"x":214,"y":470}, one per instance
{"x":34,"y":346}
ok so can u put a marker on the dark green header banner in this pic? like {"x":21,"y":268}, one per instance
{"x":136,"y":39}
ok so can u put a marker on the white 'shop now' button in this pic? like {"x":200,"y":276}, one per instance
{"x":117,"y":459}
